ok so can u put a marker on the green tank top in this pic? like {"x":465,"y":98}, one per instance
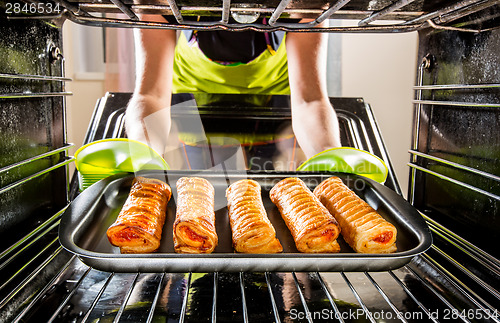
{"x":194,"y":72}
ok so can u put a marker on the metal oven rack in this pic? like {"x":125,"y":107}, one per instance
{"x":402,"y":295}
{"x":420,"y":102}
{"x":425,"y":290}
{"x":371,"y":16}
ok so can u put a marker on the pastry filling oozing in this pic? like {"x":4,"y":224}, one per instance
{"x":193,"y":237}
{"x":127,"y":235}
{"x":384,"y":237}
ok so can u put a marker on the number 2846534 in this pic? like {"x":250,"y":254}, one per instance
{"x":38,"y":8}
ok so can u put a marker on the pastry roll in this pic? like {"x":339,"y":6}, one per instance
{"x":362,"y":227}
{"x":313,"y":228}
{"x":251,"y":229}
{"x":139,"y":224}
{"x":194,"y":226}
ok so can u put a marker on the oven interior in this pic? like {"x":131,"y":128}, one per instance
{"x":453,"y":170}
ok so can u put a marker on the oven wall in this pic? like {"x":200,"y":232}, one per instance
{"x":32,"y":127}
{"x":457,"y":138}
{"x":33,"y":158}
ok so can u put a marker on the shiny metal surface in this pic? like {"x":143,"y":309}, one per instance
{"x":175,"y":11}
{"x":465,"y":11}
{"x":456,"y":182}
{"x":424,"y":64}
{"x":458,"y":104}
{"x":402,"y":295}
{"x":452,"y":8}
{"x":278,"y":11}
{"x":455,"y":86}
{"x":34,"y":77}
{"x":34,"y":158}
{"x":123,"y":8}
{"x":27,"y":179}
{"x":33,"y":155}
{"x":27,"y":95}
{"x":455,"y":155}
{"x":330,"y":11}
{"x":297,"y":27}
{"x":429,"y":14}
{"x":226,"y":11}
{"x":456,"y":165}
{"x":383,"y":12}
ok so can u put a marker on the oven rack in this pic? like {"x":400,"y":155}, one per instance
{"x":419,"y":102}
{"x":378,"y":17}
{"x":43,"y":86}
{"x":407,"y":294}
{"x":34,"y":92}
{"x":64,"y":161}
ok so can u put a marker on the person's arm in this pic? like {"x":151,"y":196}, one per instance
{"x":314,"y":120}
{"x":147,"y":117}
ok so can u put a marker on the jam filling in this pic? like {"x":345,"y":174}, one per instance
{"x":384,"y":237}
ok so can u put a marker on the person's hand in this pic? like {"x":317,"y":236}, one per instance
{"x":148,"y":120}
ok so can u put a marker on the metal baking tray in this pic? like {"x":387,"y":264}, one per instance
{"x":84,"y":223}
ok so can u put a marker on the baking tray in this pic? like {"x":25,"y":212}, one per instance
{"x":84,"y":223}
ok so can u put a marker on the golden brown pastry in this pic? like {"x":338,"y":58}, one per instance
{"x":194,"y":226}
{"x":252,"y":231}
{"x":313,"y":228}
{"x":139,"y":224}
{"x":362,"y":227}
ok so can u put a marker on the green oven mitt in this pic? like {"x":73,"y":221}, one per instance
{"x":347,"y":160}
{"x":103,"y":158}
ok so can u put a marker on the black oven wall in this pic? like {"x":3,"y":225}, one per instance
{"x":33,"y":184}
{"x":456,"y":154}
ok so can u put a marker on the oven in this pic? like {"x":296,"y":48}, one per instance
{"x":454,"y":169}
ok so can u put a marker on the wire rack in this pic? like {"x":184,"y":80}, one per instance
{"x":420,"y":102}
{"x":369,"y":16}
{"x":411,"y":293}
